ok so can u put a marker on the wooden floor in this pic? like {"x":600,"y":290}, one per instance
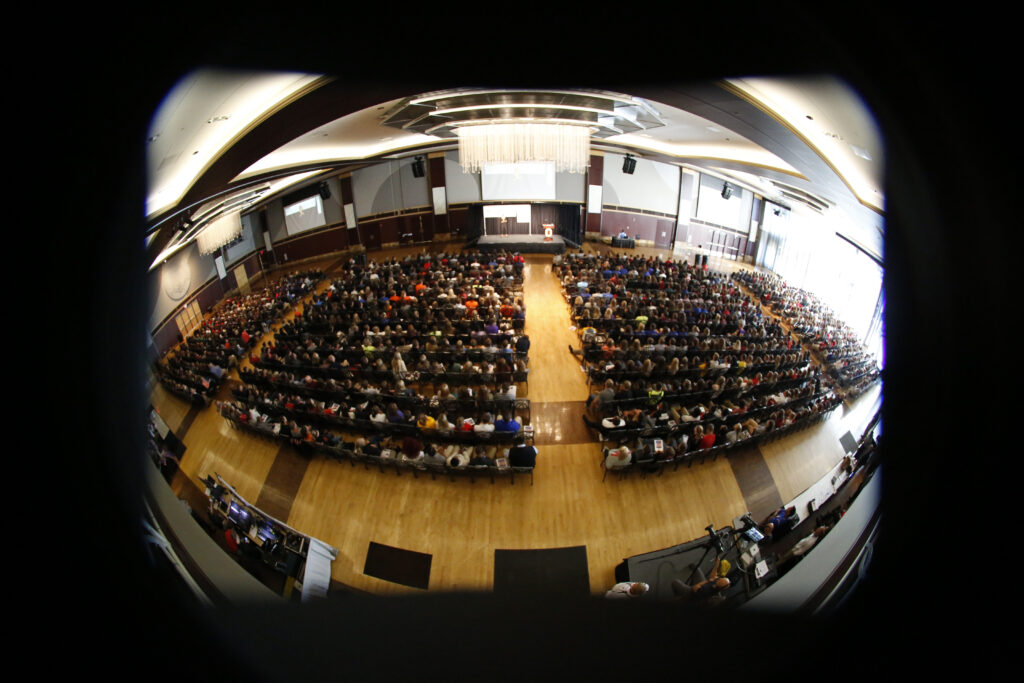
{"x":461,"y":524}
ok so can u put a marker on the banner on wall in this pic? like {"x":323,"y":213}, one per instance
{"x":594,"y":199}
{"x":221,"y":273}
{"x":440,"y":203}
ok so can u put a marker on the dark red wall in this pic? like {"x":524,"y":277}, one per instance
{"x":307,"y":246}
{"x":639,"y":226}
{"x":595,"y":176}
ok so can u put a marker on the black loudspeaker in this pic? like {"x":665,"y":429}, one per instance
{"x":325,"y":191}
{"x":628,"y":165}
{"x":417,"y":168}
{"x":726,"y":191}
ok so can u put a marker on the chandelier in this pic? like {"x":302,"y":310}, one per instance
{"x":565,"y":144}
{"x":219,"y":232}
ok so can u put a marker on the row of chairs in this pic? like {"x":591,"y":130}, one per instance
{"x":474,"y":355}
{"x":451,"y":378}
{"x":415,"y":403}
{"x":397,"y":464}
{"x":391,"y":429}
{"x":621,"y":434}
{"x":598,"y":377}
{"x":696,"y":397}
{"x":464,"y":329}
{"x":653,"y":466}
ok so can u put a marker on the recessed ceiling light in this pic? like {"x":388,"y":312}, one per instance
{"x":218,"y":118}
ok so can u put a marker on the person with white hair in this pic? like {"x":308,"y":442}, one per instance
{"x":617,"y":458}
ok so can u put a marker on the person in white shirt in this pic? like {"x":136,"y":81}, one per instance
{"x":485,"y":424}
{"x":617,"y":458}
{"x":804,"y":545}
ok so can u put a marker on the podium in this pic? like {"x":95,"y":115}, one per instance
{"x":549,"y":231}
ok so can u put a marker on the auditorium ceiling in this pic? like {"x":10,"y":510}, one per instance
{"x":809,"y":143}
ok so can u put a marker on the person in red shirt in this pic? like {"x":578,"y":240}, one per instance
{"x":230,"y":537}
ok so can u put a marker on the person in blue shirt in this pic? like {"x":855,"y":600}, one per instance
{"x":509,"y":425}
{"x":779,"y":522}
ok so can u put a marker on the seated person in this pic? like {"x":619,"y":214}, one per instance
{"x":433,"y":457}
{"x":522,"y":455}
{"x":484,"y":425}
{"x":482,"y":457}
{"x":778,"y":523}
{"x":597,"y":402}
{"x":509,"y":425}
{"x":705,"y":588}
{"x":457,"y":457}
{"x":412,"y":448}
{"x":804,"y":545}
{"x":617,"y":458}
{"x":627,"y":589}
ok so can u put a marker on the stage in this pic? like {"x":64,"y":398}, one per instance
{"x":524,"y":244}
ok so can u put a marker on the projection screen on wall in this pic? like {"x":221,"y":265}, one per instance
{"x":525,"y":180}
{"x":304,"y":215}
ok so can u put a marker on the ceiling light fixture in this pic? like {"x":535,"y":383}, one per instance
{"x":219,"y":232}
{"x":484,"y":143}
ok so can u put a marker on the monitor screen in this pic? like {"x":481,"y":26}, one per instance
{"x":238,"y":514}
{"x":267,"y":533}
{"x":753,"y":534}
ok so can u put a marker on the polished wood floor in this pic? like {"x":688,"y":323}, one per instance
{"x":461,"y":524}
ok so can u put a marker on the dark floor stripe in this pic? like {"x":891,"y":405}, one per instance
{"x":755,"y":480}
{"x":187,"y":421}
{"x":282,"y":483}
{"x":559,"y":423}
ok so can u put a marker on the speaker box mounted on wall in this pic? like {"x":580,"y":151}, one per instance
{"x":325,"y":191}
{"x":726,"y":191}
{"x":628,"y":164}
{"x":417,"y":168}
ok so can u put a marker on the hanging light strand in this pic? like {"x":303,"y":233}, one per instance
{"x":568,"y":146}
{"x":219,"y":232}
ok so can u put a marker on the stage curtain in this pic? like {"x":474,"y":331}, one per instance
{"x":475,"y":222}
{"x":569,"y":224}
{"x":565,"y":217}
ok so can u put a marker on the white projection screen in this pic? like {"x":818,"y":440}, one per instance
{"x":304,"y":215}
{"x":524,"y":180}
